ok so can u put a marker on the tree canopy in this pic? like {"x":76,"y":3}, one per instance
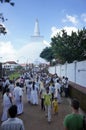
{"x":47,"y":54}
{"x":2,"y":19}
{"x":67,"y":47}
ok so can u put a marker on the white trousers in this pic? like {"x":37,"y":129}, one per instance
{"x":48,"y":112}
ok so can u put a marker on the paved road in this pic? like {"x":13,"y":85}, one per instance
{"x":34,"y":118}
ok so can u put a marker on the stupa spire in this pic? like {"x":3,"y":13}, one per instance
{"x":36,"y":29}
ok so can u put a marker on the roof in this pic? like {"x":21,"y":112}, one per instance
{"x":10,"y":62}
{"x":23,"y":65}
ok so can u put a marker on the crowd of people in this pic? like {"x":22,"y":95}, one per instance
{"x":39,"y":87}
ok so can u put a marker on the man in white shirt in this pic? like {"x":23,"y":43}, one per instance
{"x":12,"y":123}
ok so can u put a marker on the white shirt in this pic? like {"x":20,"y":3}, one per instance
{"x":12,"y":124}
{"x":17,"y":93}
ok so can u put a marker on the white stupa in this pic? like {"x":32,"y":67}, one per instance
{"x":31,"y":51}
{"x":37,"y":43}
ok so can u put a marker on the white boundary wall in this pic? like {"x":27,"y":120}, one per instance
{"x":76,"y":71}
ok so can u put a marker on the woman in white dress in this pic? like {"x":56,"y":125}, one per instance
{"x":7,"y":102}
{"x":28,"y":91}
{"x":34,"y":94}
{"x":18,"y":98}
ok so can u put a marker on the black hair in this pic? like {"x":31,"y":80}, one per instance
{"x":75,"y":104}
{"x":7,"y":90}
{"x":17,"y":84}
{"x":12,"y":111}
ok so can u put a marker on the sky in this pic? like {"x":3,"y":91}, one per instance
{"x":53,"y":16}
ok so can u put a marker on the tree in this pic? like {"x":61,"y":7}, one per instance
{"x":59,"y":45}
{"x":47,"y":54}
{"x":2,"y":19}
{"x":70,"y":48}
{"x":67,"y":47}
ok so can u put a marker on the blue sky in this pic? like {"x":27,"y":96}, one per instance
{"x":53,"y":15}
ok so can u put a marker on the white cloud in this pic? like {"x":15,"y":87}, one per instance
{"x":31,"y":51}
{"x":66,"y":28}
{"x":7,"y":51}
{"x":70,"y":29}
{"x":54,"y":31}
{"x":27,"y":53}
{"x":72,"y":19}
{"x":46,"y":43}
{"x":83,"y":17}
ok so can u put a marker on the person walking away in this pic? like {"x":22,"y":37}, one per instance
{"x":18,"y":98}
{"x":57,"y":91}
{"x":55,"y":106}
{"x":59,"y":97}
{"x":21,"y":82}
{"x":12,"y":123}
{"x":34,"y":94}
{"x":11,"y":86}
{"x":28,"y":91}
{"x":52,"y":90}
{"x":42,"y":92}
{"x":74,"y":121}
{"x":47,"y":103}
{"x":7,"y":102}
{"x":66,"y":87}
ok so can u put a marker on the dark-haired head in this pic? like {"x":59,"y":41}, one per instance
{"x":75,"y":104}
{"x":7,"y":90}
{"x":17,"y":84}
{"x":12,"y":111}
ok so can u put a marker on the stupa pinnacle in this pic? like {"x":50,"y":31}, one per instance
{"x":36,"y":29}
{"x":36,"y":37}
{"x":36,"y":44}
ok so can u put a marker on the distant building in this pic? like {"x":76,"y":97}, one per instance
{"x":24,"y":66}
{"x":10,"y":65}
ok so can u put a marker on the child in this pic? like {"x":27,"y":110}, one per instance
{"x":55,"y":105}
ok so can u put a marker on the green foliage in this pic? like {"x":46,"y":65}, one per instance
{"x":19,"y":68}
{"x":2,"y":19}
{"x":67,"y":47}
{"x":14,"y":76}
{"x":47,"y":54}
{"x":7,"y":1}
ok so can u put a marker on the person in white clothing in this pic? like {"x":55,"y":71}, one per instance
{"x":34,"y":94}
{"x":7,"y":102}
{"x":28,"y":91}
{"x":13,"y":123}
{"x":26,"y":83}
{"x":18,"y":98}
{"x":11,"y":86}
{"x":57,"y":91}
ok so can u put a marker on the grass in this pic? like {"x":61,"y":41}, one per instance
{"x":14,"y":76}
